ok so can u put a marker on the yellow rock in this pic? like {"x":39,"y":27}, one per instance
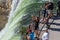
{"x":5,"y":6}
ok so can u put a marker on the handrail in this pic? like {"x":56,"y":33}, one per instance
{"x":43,"y":27}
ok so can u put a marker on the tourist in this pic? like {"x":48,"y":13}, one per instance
{"x":28,"y":29}
{"x":49,"y":10}
{"x":44,"y":12}
{"x":28,"y":32}
{"x":36,"y":25}
{"x":45,"y":35}
{"x":30,"y":35}
{"x":50,"y":13}
{"x":36,"y":37}
{"x":36,"y":22}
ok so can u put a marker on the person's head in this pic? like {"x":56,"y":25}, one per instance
{"x":45,"y":30}
{"x":33,"y":17}
{"x":46,"y":5}
{"x":37,"y":18}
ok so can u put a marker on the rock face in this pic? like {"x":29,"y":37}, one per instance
{"x":4,"y":12}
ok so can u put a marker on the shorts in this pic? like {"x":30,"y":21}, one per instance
{"x":45,"y":15}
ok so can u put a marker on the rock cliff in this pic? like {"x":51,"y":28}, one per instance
{"x":5,"y":6}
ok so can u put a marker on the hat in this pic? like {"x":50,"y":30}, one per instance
{"x":44,"y":29}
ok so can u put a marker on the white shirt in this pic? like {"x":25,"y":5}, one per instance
{"x":45,"y":36}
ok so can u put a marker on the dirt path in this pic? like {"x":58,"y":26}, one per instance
{"x":54,"y":31}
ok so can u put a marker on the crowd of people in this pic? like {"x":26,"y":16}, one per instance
{"x":33,"y":31}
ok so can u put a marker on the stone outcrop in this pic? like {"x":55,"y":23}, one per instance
{"x":4,"y":12}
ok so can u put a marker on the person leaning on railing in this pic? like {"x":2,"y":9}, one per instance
{"x":49,"y":13}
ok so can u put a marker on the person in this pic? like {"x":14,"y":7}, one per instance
{"x":36,"y":35}
{"x":30,"y":35}
{"x":44,"y":11}
{"x":28,"y":29}
{"x":50,"y":8}
{"x":50,"y":13}
{"x":47,"y":12}
{"x":36,"y":25}
{"x":45,"y":35}
{"x":36,"y":22}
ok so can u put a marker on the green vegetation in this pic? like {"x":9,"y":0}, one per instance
{"x":15,"y":37}
{"x":26,"y":7}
